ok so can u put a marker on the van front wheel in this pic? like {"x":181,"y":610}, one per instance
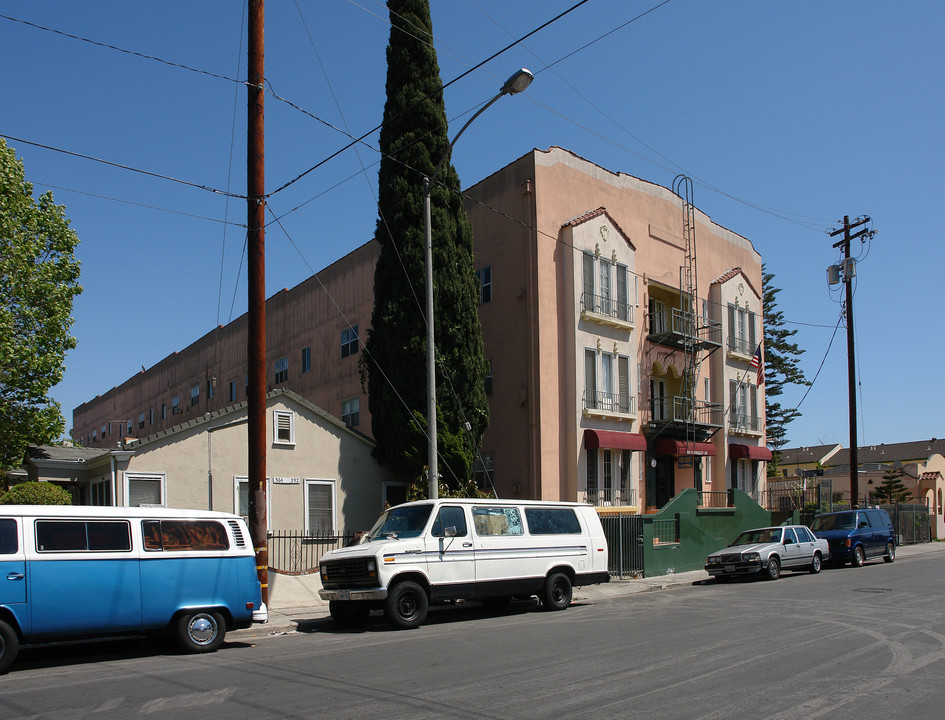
{"x":201,"y":632}
{"x":9,"y":646}
{"x":556,"y":595}
{"x":406,"y":605}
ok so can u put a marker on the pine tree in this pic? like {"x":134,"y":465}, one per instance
{"x":414,"y":137}
{"x":891,"y":489}
{"x":782,"y":367}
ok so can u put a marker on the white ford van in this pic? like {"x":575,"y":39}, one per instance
{"x":448,"y":549}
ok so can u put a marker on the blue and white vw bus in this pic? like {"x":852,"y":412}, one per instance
{"x":69,"y":572}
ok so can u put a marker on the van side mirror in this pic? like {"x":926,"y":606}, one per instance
{"x":451,"y":531}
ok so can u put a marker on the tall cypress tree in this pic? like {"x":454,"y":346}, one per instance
{"x":413,"y":140}
{"x":782,"y":367}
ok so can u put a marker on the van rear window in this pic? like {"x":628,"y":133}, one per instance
{"x":552,"y":521}
{"x":83,"y":536}
{"x":178,"y":535}
{"x":9,"y":543}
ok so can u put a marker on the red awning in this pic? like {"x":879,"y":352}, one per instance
{"x":666,"y":446}
{"x":752,"y":452}
{"x":613,"y":439}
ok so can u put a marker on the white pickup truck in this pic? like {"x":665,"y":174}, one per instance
{"x":449,"y":549}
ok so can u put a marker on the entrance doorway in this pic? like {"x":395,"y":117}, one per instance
{"x":660,"y":480}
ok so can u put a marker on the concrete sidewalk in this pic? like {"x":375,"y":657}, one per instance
{"x":294,"y":602}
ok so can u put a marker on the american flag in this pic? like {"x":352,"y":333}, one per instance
{"x":758,"y":363}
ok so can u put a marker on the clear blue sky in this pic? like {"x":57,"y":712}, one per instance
{"x":786,"y":115}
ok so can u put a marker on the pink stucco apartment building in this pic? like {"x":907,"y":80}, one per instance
{"x":619,"y":321}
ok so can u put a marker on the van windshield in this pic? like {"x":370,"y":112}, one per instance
{"x":845,"y":521}
{"x":401,"y":522}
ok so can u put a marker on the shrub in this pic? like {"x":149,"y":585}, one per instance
{"x":36,"y":493}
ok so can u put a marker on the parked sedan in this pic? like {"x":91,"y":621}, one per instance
{"x":768,"y":551}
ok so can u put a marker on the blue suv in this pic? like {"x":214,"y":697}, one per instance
{"x":855,"y":535}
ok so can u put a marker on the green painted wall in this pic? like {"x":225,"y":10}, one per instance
{"x":701,"y":531}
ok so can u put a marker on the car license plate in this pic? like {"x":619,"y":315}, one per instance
{"x":344,"y":594}
{"x":729,"y":568}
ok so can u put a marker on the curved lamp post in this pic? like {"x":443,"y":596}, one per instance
{"x":515,"y":84}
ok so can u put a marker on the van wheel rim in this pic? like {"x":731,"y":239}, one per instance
{"x":202,"y":629}
{"x":408,"y":606}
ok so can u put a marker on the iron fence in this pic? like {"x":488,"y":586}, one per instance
{"x":911,"y":522}
{"x":291,"y":551}
{"x":624,"y":533}
{"x":714,"y":499}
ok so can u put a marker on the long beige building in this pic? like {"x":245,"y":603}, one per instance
{"x":619,"y":321}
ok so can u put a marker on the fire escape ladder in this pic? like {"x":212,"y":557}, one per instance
{"x":688,"y":308}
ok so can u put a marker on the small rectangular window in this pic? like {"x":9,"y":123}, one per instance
{"x":194,"y":395}
{"x":184,"y":535}
{"x":320,"y":508}
{"x":552,"y":521}
{"x":141,"y":421}
{"x":9,"y":538}
{"x":83,"y":536}
{"x":485,"y":284}
{"x":489,"y":377}
{"x":497,"y":521}
{"x":145,"y":491}
{"x":349,"y":341}
{"x":210,"y":383}
{"x":282,"y":369}
{"x":306,"y":359}
{"x":351,"y":412}
{"x":175,"y":404}
{"x":232,"y":395}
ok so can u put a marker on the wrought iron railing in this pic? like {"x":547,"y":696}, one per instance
{"x":609,"y":497}
{"x":607,"y":307}
{"x":622,"y":403}
{"x":297,"y":552}
{"x":680,"y":409}
{"x":743,"y":422}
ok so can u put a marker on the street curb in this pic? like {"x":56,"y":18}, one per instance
{"x":287,"y":621}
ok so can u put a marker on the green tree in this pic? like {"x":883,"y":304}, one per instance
{"x":36,"y":493}
{"x":782,"y":367}
{"x":891,"y":489}
{"x":38,"y":281}
{"x":413,"y":139}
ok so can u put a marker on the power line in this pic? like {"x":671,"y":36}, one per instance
{"x":120,"y":166}
{"x":121,"y":50}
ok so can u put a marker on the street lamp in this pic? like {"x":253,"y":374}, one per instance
{"x":515,"y":84}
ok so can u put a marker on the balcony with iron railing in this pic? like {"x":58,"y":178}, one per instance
{"x":679,"y":329}
{"x":609,"y":497}
{"x":679,"y":410}
{"x":608,"y":311}
{"x":744,"y":423}
{"x":607,"y":404}
{"x":741,"y":347}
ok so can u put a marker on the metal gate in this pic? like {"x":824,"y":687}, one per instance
{"x":911,"y":522}
{"x":624,"y":535}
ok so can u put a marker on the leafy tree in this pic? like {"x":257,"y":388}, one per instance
{"x":782,"y":367}
{"x":413,"y":140}
{"x":36,"y":493}
{"x":892,"y":489}
{"x":38,"y":280}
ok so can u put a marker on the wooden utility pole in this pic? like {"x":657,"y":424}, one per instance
{"x":848,"y":275}
{"x":256,"y":263}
